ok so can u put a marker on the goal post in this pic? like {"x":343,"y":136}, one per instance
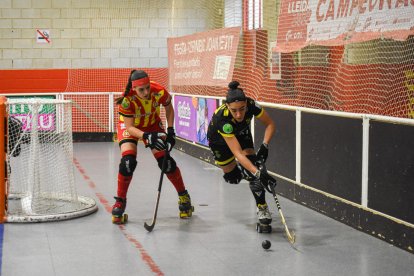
{"x":3,"y":125}
{"x":39,"y":172}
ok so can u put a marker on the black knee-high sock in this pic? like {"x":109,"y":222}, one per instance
{"x":258,"y":192}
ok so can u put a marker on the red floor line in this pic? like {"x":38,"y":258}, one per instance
{"x":144,"y":254}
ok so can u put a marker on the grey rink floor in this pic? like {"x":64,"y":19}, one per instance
{"x":220,"y":238}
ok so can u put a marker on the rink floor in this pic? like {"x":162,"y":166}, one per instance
{"x":220,"y":238}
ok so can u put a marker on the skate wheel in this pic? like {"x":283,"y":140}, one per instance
{"x":267,"y":228}
{"x":186,"y":214}
{"x":120,"y":219}
{"x":116,"y":220}
{"x":258,"y":228}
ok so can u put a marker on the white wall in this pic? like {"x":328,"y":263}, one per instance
{"x":95,"y":33}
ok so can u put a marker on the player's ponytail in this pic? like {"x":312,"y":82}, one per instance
{"x":127,"y":89}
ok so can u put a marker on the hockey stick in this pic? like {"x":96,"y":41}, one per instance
{"x":290,"y":235}
{"x":154,"y":218}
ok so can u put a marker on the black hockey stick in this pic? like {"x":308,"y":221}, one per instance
{"x":154,"y":218}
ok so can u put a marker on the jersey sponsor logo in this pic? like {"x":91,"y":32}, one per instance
{"x":227,"y":128}
{"x":125,"y":103}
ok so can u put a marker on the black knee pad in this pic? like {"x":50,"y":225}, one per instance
{"x":127,"y":165}
{"x":256,"y":186}
{"x":170,"y":166}
{"x":233,"y":177}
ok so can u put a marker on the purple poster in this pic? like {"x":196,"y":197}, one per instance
{"x":192,"y":116}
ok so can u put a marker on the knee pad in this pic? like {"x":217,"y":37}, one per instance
{"x":233,"y":177}
{"x":256,"y":186}
{"x":127,"y":165}
{"x":170,"y":166}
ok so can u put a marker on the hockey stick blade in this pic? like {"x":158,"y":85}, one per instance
{"x":149,"y":227}
{"x":290,"y":235}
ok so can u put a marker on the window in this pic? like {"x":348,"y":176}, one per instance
{"x":254,"y":14}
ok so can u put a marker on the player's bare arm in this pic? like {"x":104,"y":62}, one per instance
{"x":235,"y":148}
{"x":270,"y":126}
{"x":129,"y":124}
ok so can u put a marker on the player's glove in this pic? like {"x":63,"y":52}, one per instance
{"x":263,"y":153}
{"x":268,"y":182}
{"x":155,"y":140}
{"x":170,"y":137}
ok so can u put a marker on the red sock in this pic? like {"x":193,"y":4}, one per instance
{"x":123,"y":185}
{"x":124,"y":181}
{"x":177,"y":180}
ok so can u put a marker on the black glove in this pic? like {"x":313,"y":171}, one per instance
{"x":263,"y":153}
{"x":170,"y":137}
{"x":268,"y":182}
{"x":155,"y":140}
{"x":234,"y":176}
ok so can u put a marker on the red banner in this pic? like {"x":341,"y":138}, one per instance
{"x":339,"y":22}
{"x":205,"y":58}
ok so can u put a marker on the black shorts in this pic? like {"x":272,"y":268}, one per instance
{"x":222,"y":153}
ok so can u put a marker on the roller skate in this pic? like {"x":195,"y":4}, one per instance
{"x":184,"y":204}
{"x":265,"y":218}
{"x":118,"y":216}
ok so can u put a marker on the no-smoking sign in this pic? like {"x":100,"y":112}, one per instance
{"x":42,"y":36}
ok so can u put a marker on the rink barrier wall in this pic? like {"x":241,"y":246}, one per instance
{"x":354,"y":168}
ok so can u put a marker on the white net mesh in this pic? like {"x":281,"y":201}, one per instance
{"x":41,"y":183}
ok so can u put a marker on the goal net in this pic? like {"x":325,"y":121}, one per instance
{"x":40,"y":173}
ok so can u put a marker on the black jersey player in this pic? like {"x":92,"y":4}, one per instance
{"x":231,"y":141}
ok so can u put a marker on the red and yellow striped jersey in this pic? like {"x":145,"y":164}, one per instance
{"x":145,"y":112}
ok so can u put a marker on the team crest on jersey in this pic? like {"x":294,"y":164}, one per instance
{"x":227,"y":128}
{"x":125,"y":103}
{"x":125,"y":133}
